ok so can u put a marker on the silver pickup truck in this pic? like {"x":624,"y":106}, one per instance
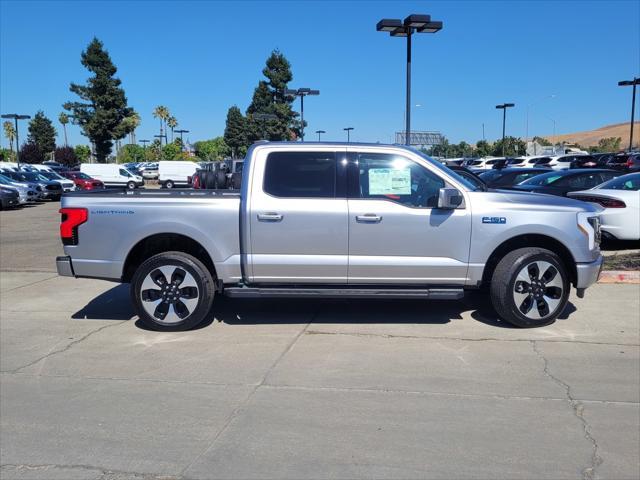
{"x":333,"y":220}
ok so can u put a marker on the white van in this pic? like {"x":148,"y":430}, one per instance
{"x":112,"y":175}
{"x":175,"y":173}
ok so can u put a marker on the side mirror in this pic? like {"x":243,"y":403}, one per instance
{"x":449,"y":198}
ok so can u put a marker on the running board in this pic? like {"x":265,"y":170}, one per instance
{"x":278,"y":292}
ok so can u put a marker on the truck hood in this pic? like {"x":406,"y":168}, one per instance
{"x":535,"y":201}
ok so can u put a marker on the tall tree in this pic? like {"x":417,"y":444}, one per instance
{"x":172,"y":123}
{"x":10,"y":133}
{"x":104,"y":104}
{"x":63,"y":118}
{"x":235,"y":132}
{"x":42,"y":133}
{"x":31,"y":153}
{"x":483,"y":149}
{"x":269,"y":98}
{"x":83,"y":152}
{"x":162,"y":113}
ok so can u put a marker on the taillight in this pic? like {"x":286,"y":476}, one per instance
{"x":72,"y":218}
{"x":605,"y":202}
{"x":629,"y":162}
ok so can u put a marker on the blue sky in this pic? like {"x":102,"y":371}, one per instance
{"x":200,"y":57}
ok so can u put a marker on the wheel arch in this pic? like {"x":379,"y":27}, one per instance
{"x":530,"y":240}
{"x":164,"y":242}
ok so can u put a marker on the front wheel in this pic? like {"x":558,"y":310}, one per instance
{"x":172,"y":291}
{"x":131,"y":185}
{"x":530,"y":287}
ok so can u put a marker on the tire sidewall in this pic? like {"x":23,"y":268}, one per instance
{"x":513,"y":273}
{"x":200,"y":273}
{"x":168,"y":184}
{"x":131,"y":186}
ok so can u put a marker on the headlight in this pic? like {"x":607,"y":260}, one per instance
{"x":589,"y":224}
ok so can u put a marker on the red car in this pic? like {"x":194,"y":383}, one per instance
{"x":83,"y":181}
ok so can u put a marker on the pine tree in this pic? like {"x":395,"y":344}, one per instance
{"x":104,"y":105}
{"x":42,"y":133}
{"x":235,"y":132}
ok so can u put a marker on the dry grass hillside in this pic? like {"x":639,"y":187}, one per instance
{"x":591,"y":137}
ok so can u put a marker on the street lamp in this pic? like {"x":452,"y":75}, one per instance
{"x":529,"y":106}
{"x":181,"y":131}
{"x":626,"y":83}
{"x":319,"y":132}
{"x":412,"y":24}
{"x":504,"y":107}
{"x":15,"y":118}
{"x":144,"y":148}
{"x":301,"y":92}
{"x":348,"y":130}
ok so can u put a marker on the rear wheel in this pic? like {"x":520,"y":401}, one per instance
{"x":530,"y":287}
{"x":168,"y":184}
{"x":172,"y":291}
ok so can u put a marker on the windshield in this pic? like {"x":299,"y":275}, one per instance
{"x":51,"y":176}
{"x":81,"y":176}
{"x":543,"y":179}
{"x":626,"y":182}
{"x":447,"y":171}
{"x":32,"y":177}
{"x":490,"y":175}
{"x":5,"y":180}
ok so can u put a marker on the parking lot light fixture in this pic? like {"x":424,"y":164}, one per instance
{"x":301,"y":92}
{"x":181,"y":131}
{"x":414,"y":23}
{"x":320,"y":132}
{"x":348,"y":130}
{"x":144,"y":149}
{"x":628,"y":83}
{"x":15,"y":118}
{"x":504,"y":107}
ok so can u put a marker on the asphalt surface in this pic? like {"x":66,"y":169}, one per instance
{"x":305,"y":389}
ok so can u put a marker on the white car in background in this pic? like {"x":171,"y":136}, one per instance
{"x":529,"y":162}
{"x":175,"y":173}
{"x":620,"y":200}
{"x":485,"y":163}
{"x":562,"y":162}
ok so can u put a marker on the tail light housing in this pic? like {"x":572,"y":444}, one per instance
{"x":71,"y":219}
{"x":629,"y":162}
{"x":605,"y":202}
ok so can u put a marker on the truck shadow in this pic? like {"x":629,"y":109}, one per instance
{"x":115,"y":304}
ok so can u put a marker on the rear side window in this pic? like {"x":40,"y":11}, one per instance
{"x":300,"y":175}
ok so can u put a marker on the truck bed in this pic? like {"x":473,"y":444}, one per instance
{"x":154,"y":193}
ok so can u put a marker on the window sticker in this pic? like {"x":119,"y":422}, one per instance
{"x":389,"y":181}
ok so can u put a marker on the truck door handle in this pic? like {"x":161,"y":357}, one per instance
{"x":269,"y":217}
{"x":368,"y":218}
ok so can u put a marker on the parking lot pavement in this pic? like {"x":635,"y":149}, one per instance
{"x":309,"y":389}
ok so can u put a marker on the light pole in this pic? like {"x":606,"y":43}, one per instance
{"x":17,"y":117}
{"x":144,"y":149}
{"x":348,"y":130}
{"x":319,"y":132}
{"x":301,"y":92}
{"x":526,"y":136}
{"x":504,"y":107}
{"x":626,"y":83}
{"x":414,"y":23}
{"x":554,"y":133}
{"x":181,"y":131}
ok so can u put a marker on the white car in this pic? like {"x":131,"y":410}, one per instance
{"x":173,"y":173}
{"x":620,"y":200}
{"x":485,"y":163}
{"x":562,"y":162}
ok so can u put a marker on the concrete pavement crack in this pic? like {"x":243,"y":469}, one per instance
{"x":589,"y":472}
{"x":236,"y":411}
{"x":65,"y":348}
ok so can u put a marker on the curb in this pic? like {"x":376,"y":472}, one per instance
{"x":620,"y":276}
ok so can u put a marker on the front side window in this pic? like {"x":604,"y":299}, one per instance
{"x":392,"y":177}
{"x":124,"y":173}
{"x":300,"y":175}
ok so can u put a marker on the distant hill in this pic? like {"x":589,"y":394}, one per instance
{"x":591,"y":137}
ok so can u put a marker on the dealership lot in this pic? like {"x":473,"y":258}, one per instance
{"x":305,"y":389}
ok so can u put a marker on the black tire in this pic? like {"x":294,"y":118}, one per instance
{"x":169,"y":184}
{"x":131,"y":185}
{"x":535,"y":292}
{"x":183,"y":265}
{"x":221,"y":179}
{"x":236,"y":181}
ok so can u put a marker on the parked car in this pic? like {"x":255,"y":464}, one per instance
{"x":56,"y":167}
{"x":508,"y":177}
{"x":485,"y":163}
{"x":620,"y":198}
{"x":66,"y":184}
{"x":174,"y":173}
{"x":26,"y":192}
{"x":471,"y":177}
{"x":9,"y":197}
{"x":329,"y":220}
{"x":565,"y":181}
{"x":626,"y":162}
{"x":112,"y":175}
{"x":561,"y":162}
{"x":585,"y":161}
{"x":48,"y":189}
{"x":150,"y":171}
{"x":83,"y":181}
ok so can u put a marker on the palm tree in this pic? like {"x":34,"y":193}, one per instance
{"x":10,"y":133}
{"x":134,"y":120}
{"x":162,"y":113}
{"x":63,"y":118}
{"x":172,"y":122}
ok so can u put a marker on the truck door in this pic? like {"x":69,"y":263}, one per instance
{"x":397,"y":235}
{"x":298,"y":217}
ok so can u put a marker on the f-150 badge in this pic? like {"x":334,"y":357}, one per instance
{"x":494,"y":220}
